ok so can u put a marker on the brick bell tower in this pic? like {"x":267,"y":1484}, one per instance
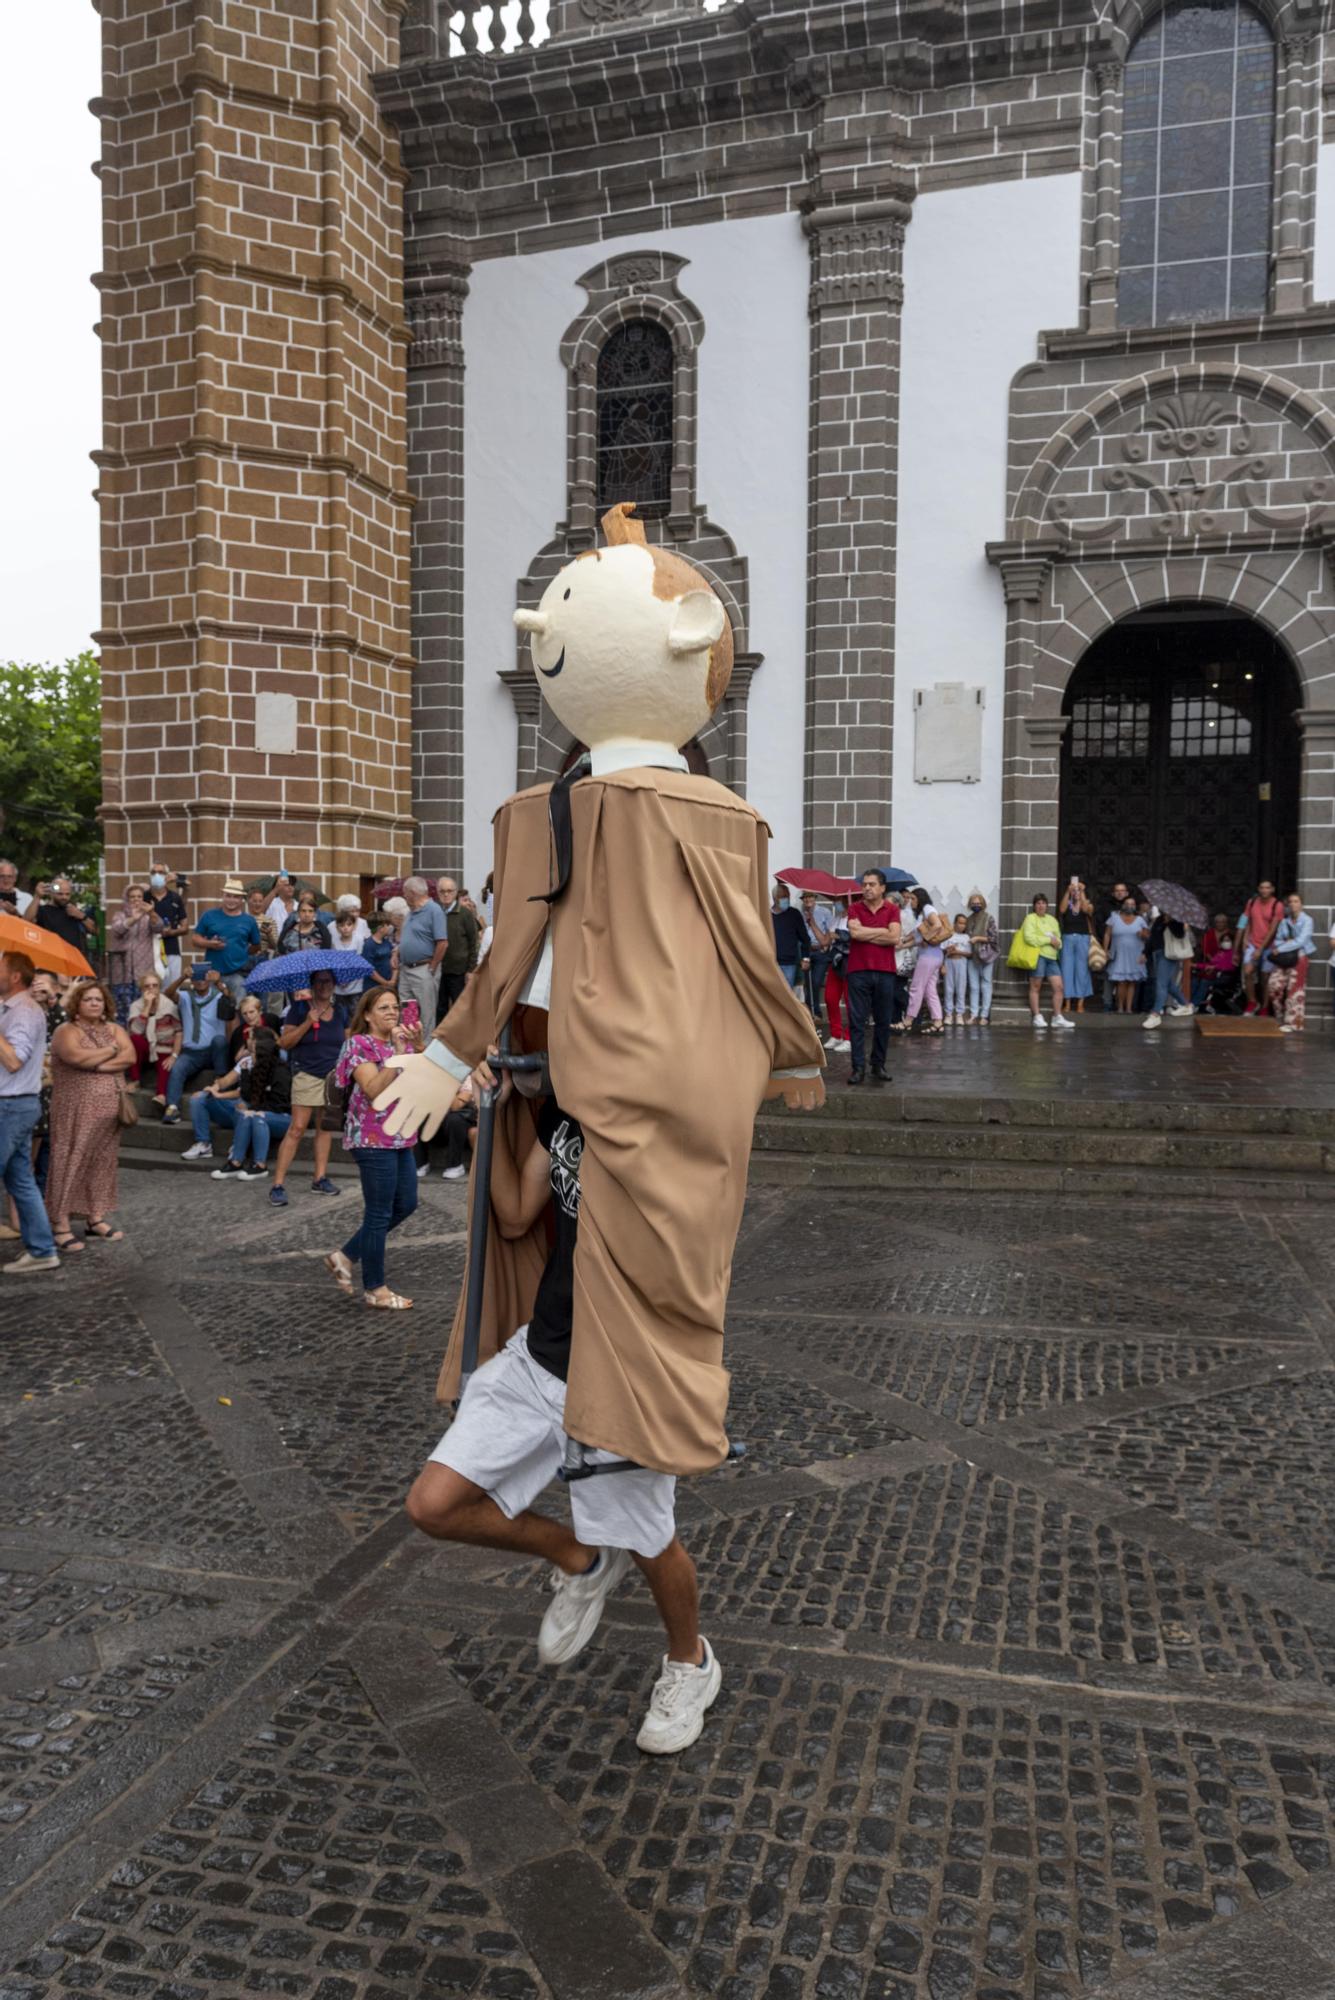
{"x":254,"y":504}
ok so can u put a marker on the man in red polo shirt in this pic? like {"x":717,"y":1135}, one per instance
{"x":873,"y":929}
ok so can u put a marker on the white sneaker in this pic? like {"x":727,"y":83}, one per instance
{"x":1183,"y":1009}
{"x":832,"y":1041}
{"x":1060,"y":1021}
{"x":571,"y":1619}
{"x":1152,"y":1021}
{"x":1039,"y":1022}
{"x":199,"y":1151}
{"x":422,"y":1173}
{"x":682,"y":1693}
{"x":844,"y":1048}
{"x":454,"y":1173}
{"x":24,"y":1266}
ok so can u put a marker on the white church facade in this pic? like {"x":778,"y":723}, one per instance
{"x":982,"y":357}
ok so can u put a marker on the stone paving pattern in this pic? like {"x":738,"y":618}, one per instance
{"x":1025,"y":1592}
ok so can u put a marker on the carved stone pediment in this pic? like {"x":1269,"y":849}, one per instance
{"x":1158,"y":461}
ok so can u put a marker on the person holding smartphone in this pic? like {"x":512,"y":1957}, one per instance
{"x":385,"y":1164}
{"x":312,"y":1035}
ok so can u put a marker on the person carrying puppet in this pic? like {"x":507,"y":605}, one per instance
{"x":632,"y":936}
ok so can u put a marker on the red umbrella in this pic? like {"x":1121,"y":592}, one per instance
{"x":818,"y":881}
{"x":392,"y":885}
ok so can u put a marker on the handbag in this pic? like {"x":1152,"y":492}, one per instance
{"x":1022,"y":957}
{"x":839,"y":951}
{"x":935,"y":929}
{"x":127,"y":1111}
{"x":1180,"y":948}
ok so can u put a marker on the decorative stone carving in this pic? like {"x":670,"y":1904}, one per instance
{"x":1207,"y":464}
{"x":613,"y":10}
{"x":435,"y":324}
{"x":858,"y":256}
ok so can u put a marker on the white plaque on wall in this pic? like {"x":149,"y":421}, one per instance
{"x":948,"y":734}
{"x":276,"y":724}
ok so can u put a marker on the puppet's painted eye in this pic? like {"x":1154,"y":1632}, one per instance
{"x":567,"y":595}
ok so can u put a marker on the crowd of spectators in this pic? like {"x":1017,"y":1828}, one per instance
{"x":885,"y":963}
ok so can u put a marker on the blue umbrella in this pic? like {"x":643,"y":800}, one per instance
{"x":899,"y":878}
{"x":287,"y":974}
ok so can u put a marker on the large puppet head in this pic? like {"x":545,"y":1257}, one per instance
{"x":630,"y":641}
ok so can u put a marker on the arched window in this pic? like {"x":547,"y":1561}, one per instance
{"x":635,"y":368}
{"x":1197,"y":166}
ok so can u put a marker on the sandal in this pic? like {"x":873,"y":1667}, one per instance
{"x":104,"y":1233}
{"x":392,"y":1302}
{"x":340,"y":1270}
{"x":67,"y":1243}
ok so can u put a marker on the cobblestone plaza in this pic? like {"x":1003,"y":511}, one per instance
{"x":1025,"y":1595}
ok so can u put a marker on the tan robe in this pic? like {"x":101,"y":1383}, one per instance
{"x":668,"y":1015}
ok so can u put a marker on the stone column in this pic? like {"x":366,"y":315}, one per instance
{"x":1316,"y":830}
{"x":855,"y":306}
{"x":255,"y":513}
{"x":1103,"y":277}
{"x":1298,"y":109}
{"x":1031,"y":749}
{"x":522,"y":685}
{"x":436,"y":476}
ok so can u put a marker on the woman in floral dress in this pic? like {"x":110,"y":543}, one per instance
{"x":89,"y":1056}
{"x":386,"y":1165}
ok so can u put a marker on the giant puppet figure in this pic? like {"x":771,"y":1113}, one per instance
{"x":631,"y":905}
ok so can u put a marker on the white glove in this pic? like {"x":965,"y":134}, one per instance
{"x":421,"y":1095}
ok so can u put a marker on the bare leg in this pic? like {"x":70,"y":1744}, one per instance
{"x":450,"y":1508}
{"x":1058,"y":992}
{"x":323,"y":1141}
{"x":1035,"y":991}
{"x":671,"y":1577}
{"x":287,"y":1151}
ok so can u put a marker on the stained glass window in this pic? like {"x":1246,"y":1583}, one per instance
{"x":1198,"y":134}
{"x":635,"y":415}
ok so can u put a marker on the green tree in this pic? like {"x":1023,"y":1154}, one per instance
{"x":51,"y":765}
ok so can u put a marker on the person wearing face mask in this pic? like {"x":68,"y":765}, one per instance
{"x":1124,"y":941}
{"x":130,"y":937}
{"x":169,"y":907}
{"x":980,"y":970}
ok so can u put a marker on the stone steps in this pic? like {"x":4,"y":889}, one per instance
{"x":924,"y":1173}
{"x":1067,"y":1144}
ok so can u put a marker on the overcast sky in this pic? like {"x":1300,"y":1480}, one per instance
{"x":50,"y":398}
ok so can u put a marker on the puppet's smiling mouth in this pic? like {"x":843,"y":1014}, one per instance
{"x":550,"y":673}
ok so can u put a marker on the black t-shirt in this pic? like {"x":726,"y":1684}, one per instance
{"x":791,"y":942}
{"x":549,"y":1328}
{"x":51,"y":917}
{"x":316,"y":1053}
{"x":170,"y":908}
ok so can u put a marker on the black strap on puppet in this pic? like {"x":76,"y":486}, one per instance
{"x":477,"y":1225}
{"x":558,"y":816}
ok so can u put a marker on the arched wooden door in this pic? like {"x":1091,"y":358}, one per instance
{"x":1182,"y":758}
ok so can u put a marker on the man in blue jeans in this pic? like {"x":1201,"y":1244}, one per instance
{"x":22,"y":1053}
{"x":206,"y":1008}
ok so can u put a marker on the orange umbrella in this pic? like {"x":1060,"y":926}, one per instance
{"x":48,"y":952}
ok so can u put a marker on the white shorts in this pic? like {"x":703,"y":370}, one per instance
{"x":1250,"y":954}
{"x":509,"y":1439}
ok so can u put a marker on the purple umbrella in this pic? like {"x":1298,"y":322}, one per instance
{"x":1177,"y":903}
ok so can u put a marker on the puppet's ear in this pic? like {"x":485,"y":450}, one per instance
{"x":697,"y":622}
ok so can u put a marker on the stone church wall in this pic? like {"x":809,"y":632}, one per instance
{"x":748,"y":281}
{"x":985,"y":270}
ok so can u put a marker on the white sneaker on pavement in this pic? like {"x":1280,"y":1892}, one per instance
{"x":571,"y":1619}
{"x":24,"y":1266}
{"x":1060,"y":1021}
{"x":453,"y":1173}
{"x":1152,"y":1021}
{"x":1039,"y":1022}
{"x":1185,"y":1008}
{"x":199,"y":1151}
{"x":682,"y":1694}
